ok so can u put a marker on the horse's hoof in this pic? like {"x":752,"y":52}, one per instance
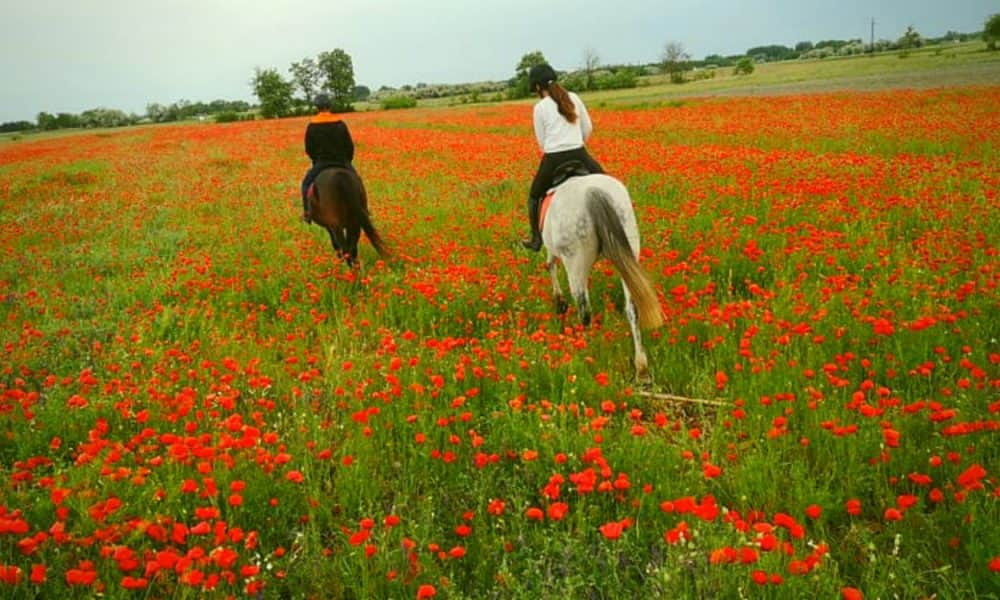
{"x":642,"y":370}
{"x":561,"y":306}
{"x":532,"y":244}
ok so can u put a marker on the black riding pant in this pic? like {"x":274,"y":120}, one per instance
{"x":543,"y":178}
{"x":552,"y":161}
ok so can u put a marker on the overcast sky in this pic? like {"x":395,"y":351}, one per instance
{"x":73,"y":55}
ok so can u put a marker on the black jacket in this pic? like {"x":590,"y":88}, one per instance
{"x":328,"y":140}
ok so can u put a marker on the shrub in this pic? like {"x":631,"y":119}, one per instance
{"x":228,"y":116}
{"x":702,"y":74}
{"x":991,"y":31}
{"x":623,"y":78}
{"x":744,"y":67}
{"x":398,"y":102}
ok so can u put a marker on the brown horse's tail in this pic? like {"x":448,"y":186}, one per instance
{"x":354,"y":194}
{"x":615,"y":246}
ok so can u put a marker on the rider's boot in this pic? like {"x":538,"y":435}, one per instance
{"x":306,"y":217}
{"x":534,"y":243}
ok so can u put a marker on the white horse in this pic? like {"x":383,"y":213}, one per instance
{"x":591,"y":216}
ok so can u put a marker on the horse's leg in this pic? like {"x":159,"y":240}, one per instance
{"x":336,"y":240}
{"x":557,"y":293}
{"x":641,"y":362}
{"x":351,"y":244}
{"x":577,"y":272}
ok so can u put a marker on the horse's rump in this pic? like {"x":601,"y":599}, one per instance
{"x":615,"y":246}
{"x":591,"y":216}
{"x":341,"y":202}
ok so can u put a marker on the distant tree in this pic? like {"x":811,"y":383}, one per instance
{"x":590,"y":63}
{"x":910,"y":39}
{"x":67,"y":120}
{"x":718,"y":60}
{"x":337,"y":72}
{"x":772,"y":52}
{"x":105,"y":117}
{"x":305,"y":76}
{"x":46,"y":121}
{"x":519,"y":85}
{"x":832,"y":44}
{"x":991,"y":31}
{"x":10,"y":126}
{"x":155,"y":112}
{"x":803,"y":46}
{"x":744,"y":66}
{"x":674,"y":61}
{"x":361,"y":92}
{"x":273,"y":93}
{"x":179,"y":110}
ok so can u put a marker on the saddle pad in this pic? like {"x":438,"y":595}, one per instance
{"x":544,"y":208}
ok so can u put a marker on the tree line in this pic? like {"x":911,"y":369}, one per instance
{"x":676,"y":62}
{"x":332,"y":72}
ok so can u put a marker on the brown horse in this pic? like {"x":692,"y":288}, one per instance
{"x":338,"y":202}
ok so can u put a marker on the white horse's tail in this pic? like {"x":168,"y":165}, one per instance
{"x":615,"y":246}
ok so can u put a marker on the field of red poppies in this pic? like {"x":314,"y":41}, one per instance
{"x":197,"y":397}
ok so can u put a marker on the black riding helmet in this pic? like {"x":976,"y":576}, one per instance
{"x":322,"y":101}
{"x":541,"y":76}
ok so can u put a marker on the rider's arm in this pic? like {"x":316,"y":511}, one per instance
{"x":539,"y":126}
{"x":310,"y":144}
{"x":586,"y":127}
{"x":348,"y":143}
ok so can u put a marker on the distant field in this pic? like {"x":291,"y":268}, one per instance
{"x":964,"y":64}
{"x":938,"y":66}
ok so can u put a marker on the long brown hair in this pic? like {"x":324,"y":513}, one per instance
{"x":566,"y":107}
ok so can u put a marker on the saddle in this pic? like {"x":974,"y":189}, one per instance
{"x":572,"y":168}
{"x":565,"y":171}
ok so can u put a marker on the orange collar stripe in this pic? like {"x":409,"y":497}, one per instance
{"x":325,"y":117}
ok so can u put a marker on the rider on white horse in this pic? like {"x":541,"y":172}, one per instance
{"x":562,"y":125}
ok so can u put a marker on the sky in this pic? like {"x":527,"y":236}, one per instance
{"x":74,"y":55}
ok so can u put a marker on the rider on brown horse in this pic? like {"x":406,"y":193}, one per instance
{"x":328,"y":144}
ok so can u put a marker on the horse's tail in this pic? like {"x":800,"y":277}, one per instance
{"x":354,"y":194}
{"x":615,"y":246}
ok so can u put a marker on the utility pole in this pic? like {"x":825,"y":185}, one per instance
{"x":872,"y":45}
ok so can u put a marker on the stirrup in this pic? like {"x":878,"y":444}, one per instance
{"x":534,"y":243}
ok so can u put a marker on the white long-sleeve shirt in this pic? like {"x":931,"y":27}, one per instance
{"x":553,"y":132}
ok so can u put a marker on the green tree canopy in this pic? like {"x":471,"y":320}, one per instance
{"x":337,"y":71}
{"x":361,"y":92}
{"x":991,"y":31}
{"x":675,"y":61}
{"x":910,"y":39}
{"x":519,"y":85}
{"x":305,"y":76}
{"x":273,"y":93}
